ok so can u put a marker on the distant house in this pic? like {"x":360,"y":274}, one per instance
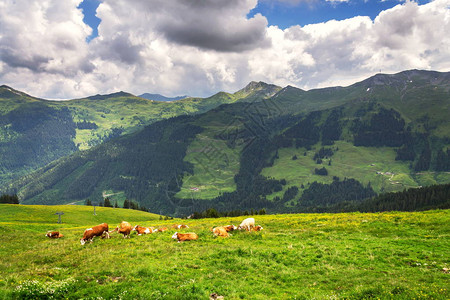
{"x":194,"y":189}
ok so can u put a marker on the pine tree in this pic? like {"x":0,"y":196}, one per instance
{"x":107,"y":202}
{"x":126,"y":203}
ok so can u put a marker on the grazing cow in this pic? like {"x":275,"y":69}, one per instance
{"x":142,"y":230}
{"x":124,"y":228}
{"x":90,"y":233}
{"x":162,"y":229}
{"x":229,"y":228}
{"x":257,"y":228}
{"x":247,"y":224}
{"x":181,"y":237}
{"x":214,"y":296}
{"x":54,"y":234}
{"x":220,"y":231}
{"x":179,"y":226}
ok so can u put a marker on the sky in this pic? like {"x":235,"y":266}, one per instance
{"x":74,"y":48}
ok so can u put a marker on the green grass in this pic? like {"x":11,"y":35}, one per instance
{"x":303,"y":256}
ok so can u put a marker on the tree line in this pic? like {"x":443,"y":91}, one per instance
{"x":127,"y":204}
{"x":9,"y":199}
{"x":213,"y":213}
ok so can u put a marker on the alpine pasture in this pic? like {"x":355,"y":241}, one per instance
{"x":392,"y":255}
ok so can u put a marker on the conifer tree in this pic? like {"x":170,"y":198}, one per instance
{"x":107,"y":202}
{"x":126,"y":203}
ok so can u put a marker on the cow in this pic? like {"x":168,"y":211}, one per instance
{"x":257,"y":228}
{"x":247,"y":224}
{"x":142,"y":230}
{"x":181,"y":237}
{"x":179,"y":226}
{"x":229,"y":228}
{"x":220,"y":231}
{"x":124,"y":228}
{"x":54,"y":234}
{"x":90,"y":233}
{"x":162,"y":229}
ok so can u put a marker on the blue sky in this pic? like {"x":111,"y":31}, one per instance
{"x":70,"y":49}
{"x":287,"y":13}
{"x":89,"y":8}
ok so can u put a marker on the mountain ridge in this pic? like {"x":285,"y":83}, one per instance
{"x":34,"y":131}
{"x":239,"y":155}
{"x":159,"y":97}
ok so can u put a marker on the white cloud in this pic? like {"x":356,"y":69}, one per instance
{"x":200,"y":47}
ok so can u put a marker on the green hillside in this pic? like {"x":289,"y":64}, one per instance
{"x":341,"y":256}
{"x":35,"y":132}
{"x":365,"y":139}
{"x":377,"y":165}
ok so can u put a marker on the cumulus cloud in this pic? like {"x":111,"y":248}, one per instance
{"x":218,"y":25}
{"x":200,"y":47}
{"x":43,"y":36}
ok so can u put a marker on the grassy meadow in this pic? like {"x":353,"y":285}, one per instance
{"x":391,"y":255}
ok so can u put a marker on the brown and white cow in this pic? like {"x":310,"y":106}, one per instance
{"x":142,"y":230}
{"x":54,"y":234}
{"x":181,"y":237}
{"x":220,"y":231}
{"x":257,"y":228}
{"x":162,"y":229}
{"x":90,"y":233}
{"x":124,"y":228}
{"x":247,"y":224}
{"x":229,"y":228}
{"x":179,"y":226}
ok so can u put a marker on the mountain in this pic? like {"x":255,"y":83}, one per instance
{"x":35,"y":132}
{"x":255,"y":91}
{"x":159,"y":97}
{"x":289,"y":150}
{"x":109,"y":96}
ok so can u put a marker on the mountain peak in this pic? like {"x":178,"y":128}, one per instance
{"x":417,"y":77}
{"x":253,"y":85}
{"x":9,"y":92}
{"x":113,"y":95}
{"x":159,"y":97}
{"x":255,"y":90}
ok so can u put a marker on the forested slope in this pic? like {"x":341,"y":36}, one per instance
{"x":35,"y":132}
{"x":384,"y":134}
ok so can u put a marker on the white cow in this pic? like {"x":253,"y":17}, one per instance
{"x":247,"y":224}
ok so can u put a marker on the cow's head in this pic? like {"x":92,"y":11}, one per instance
{"x":230,"y":227}
{"x":82,"y":241}
{"x":175,"y":235}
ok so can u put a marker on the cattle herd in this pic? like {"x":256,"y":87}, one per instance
{"x":125,"y":229}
